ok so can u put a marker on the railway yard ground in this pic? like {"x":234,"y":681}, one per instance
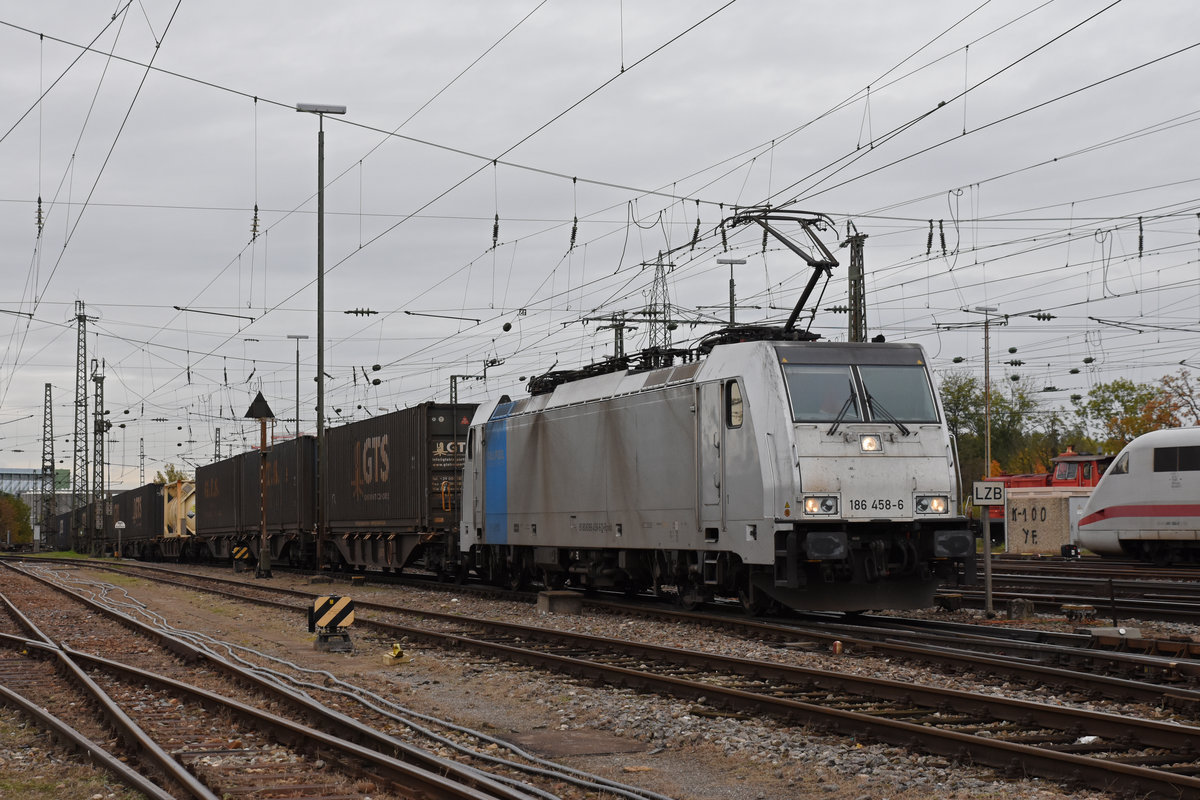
{"x":680,"y":748}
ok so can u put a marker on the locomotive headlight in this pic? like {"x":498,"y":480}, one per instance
{"x":870,"y":443}
{"x":820,"y":505}
{"x":935,"y":504}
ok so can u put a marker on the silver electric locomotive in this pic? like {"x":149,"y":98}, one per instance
{"x":816,"y":475}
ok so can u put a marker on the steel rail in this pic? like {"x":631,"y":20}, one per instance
{"x":84,"y":746}
{"x":1035,"y":643}
{"x":423,"y":783}
{"x":408,"y":763}
{"x":136,"y":739}
{"x":1096,"y":683}
{"x":1099,"y":772}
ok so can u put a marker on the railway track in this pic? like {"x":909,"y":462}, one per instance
{"x":1102,"y":750}
{"x":189,"y":741}
{"x":1109,"y":666}
{"x":1095,"y":566}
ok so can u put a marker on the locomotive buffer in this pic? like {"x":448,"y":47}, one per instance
{"x":327,"y":618}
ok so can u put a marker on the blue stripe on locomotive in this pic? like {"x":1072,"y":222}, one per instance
{"x":495,"y":493}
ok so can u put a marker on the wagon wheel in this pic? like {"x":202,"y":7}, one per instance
{"x":754,"y":603}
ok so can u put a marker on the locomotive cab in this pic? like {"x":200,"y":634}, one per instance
{"x":877,"y":489}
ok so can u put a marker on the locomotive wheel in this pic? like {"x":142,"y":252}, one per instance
{"x":516,"y":580}
{"x":553,"y":580}
{"x":689,"y":597}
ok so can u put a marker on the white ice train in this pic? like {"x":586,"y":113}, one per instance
{"x":1147,"y":505}
{"x":818,"y":475}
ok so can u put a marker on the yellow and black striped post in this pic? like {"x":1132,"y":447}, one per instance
{"x":241,"y":557}
{"x":331,"y":613}
{"x":327,"y":618}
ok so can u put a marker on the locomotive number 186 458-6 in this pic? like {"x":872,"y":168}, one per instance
{"x":876,"y":504}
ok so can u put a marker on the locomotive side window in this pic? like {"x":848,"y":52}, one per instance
{"x":1177,"y":459}
{"x":733,"y":405}
{"x":1120,"y":466}
{"x":820,"y":393}
{"x":1066,"y":471}
{"x":903,"y":392}
{"x":471,"y":444}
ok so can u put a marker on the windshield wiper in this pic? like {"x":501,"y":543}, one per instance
{"x":875,"y":405}
{"x":841,"y":415}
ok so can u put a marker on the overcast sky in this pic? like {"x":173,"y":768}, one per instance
{"x":995,"y":153}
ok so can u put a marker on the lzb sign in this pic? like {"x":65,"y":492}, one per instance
{"x":987,"y":493}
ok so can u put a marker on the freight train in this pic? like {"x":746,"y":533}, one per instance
{"x":816,"y":475}
{"x":1146,"y":506}
{"x":153,"y":522}
{"x":762,"y":464}
{"x":391,"y":493}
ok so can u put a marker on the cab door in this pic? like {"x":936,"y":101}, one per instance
{"x":710,"y":461}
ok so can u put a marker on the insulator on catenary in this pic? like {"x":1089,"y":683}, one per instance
{"x":574,"y":231}
{"x":40,"y":219}
{"x":764,"y":240}
{"x":942,"y":234}
{"x":1141,"y":237}
{"x":929,"y":241}
{"x":254,"y":224}
{"x":696,"y":234}
{"x":496,"y":232}
{"x":724,"y":242}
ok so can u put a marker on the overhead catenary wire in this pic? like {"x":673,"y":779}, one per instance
{"x":548,"y":299}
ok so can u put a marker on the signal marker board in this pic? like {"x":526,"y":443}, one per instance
{"x":333,"y":612}
{"x":987,"y":493}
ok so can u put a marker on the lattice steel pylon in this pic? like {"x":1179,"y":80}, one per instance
{"x":99,"y":430}
{"x":857,"y":331}
{"x":659,"y":312}
{"x":47,"y":482}
{"x":79,"y":471}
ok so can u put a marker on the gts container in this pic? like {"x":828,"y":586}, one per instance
{"x":393,"y":486}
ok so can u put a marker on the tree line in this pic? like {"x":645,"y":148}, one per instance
{"x":1025,"y":437}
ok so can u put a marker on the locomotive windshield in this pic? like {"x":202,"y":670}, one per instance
{"x":820,"y":392}
{"x":901,"y":391}
{"x":830,"y":392}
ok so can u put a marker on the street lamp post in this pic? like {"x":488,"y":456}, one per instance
{"x":732,"y":262}
{"x":320,"y":110}
{"x":987,"y":455}
{"x":297,"y":337}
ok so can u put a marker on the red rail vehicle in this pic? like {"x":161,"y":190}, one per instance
{"x":1070,"y":469}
